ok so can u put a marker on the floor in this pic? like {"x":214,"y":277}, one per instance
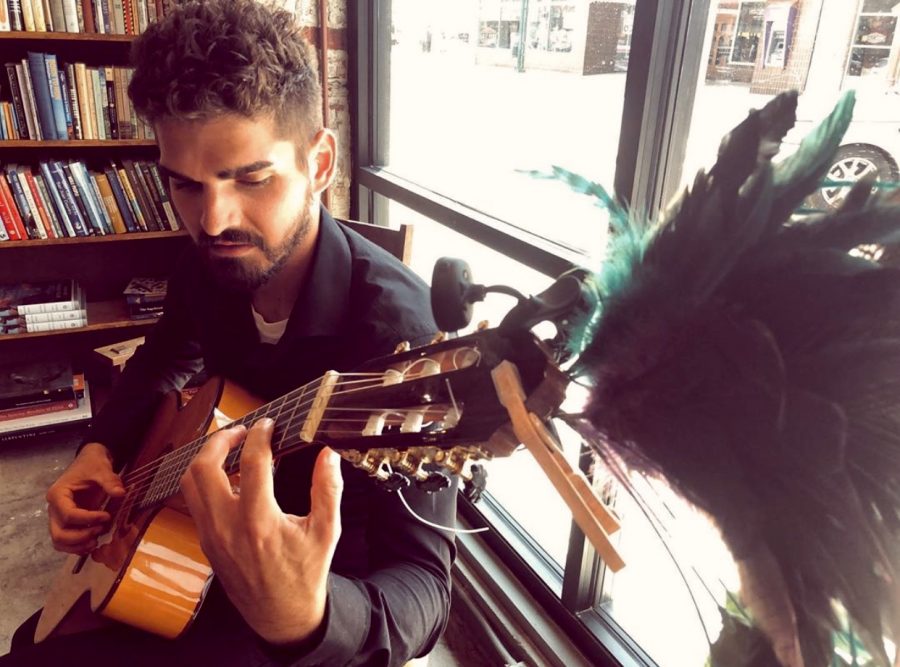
{"x":27,"y":561}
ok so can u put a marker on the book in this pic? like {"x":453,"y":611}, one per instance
{"x":71,"y":15}
{"x":145,"y":290}
{"x":32,"y":205}
{"x":77,"y":197}
{"x":109,"y":202}
{"x":64,"y":189}
{"x":15,"y":14}
{"x":4,"y":17}
{"x":56,"y":326}
{"x":148,"y":211}
{"x":86,"y":190}
{"x":51,"y":71}
{"x":59,"y":226}
{"x":37,"y":424}
{"x":37,"y":70}
{"x":84,"y":109}
{"x":40,"y":297}
{"x":57,"y":16}
{"x":121,"y":199}
{"x":27,"y":14}
{"x":35,"y":383}
{"x":18,"y":194}
{"x":171,"y":215}
{"x":12,"y":231}
{"x":35,"y":410}
{"x":18,"y":104}
{"x":25,"y":86}
{"x":98,"y":199}
{"x":7,"y":197}
{"x":132,"y":200}
{"x":67,"y":106}
{"x":72,"y":84}
{"x":62,"y":213}
{"x":96,"y":102}
{"x":40,"y":23}
{"x":55,"y":316}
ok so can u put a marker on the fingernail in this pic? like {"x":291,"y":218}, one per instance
{"x":267,"y":422}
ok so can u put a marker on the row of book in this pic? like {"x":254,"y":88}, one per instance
{"x":55,"y":101}
{"x":111,"y":17}
{"x":42,"y":306}
{"x":41,"y":397}
{"x":66,"y":199}
{"x":144,"y":298}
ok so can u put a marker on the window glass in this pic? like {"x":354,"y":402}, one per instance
{"x":476,"y":102}
{"x":821,"y":49}
{"x":540,"y":512}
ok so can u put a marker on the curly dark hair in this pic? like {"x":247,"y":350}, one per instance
{"x":219,"y":57}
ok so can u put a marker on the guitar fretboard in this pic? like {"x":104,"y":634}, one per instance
{"x":153,"y":483}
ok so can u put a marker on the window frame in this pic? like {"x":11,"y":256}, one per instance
{"x":661,"y":81}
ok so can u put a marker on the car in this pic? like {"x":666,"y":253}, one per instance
{"x":870,"y":145}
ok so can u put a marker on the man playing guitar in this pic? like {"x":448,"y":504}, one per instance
{"x":313,"y":566}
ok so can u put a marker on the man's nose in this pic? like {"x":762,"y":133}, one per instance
{"x":220,"y":212}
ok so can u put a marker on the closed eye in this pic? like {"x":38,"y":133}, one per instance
{"x":257,"y":184}
{"x":183,"y":185}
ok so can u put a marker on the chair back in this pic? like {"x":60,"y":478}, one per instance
{"x":397,"y":242}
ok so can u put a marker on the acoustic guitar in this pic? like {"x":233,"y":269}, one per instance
{"x":437,"y":409}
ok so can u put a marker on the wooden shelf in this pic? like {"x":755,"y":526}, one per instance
{"x":64,"y":37}
{"x":101,"y":315}
{"x":78,"y":143}
{"x":81,"y":240}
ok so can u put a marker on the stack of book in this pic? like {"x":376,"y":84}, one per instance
{"x":37,"y":398}
{"x":66,"y":199}
{"x":56,"y":101}
{"x":45,"y":306}
{"x":144,"y":298}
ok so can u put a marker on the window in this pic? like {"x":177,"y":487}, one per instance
{"x":636,"y":96}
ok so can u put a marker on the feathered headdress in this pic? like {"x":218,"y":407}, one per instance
{"x":753,"y":361}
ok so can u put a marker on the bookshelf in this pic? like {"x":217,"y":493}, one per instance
{"x":102,"y":264}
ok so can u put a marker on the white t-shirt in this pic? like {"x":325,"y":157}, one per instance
{"x":269,"y":332}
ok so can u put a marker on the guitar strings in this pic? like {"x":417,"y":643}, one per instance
{"x":174,"y":463}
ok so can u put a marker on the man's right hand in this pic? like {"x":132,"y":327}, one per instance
{"x":75,"y":522}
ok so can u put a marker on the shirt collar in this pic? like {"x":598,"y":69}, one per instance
{"x":322,"y":305}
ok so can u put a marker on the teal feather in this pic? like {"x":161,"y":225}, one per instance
{"x":753,"y":362}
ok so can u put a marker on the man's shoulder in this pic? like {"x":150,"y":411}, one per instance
{"x":387,"y":293}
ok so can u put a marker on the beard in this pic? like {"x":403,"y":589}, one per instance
{"x":244,"y":275}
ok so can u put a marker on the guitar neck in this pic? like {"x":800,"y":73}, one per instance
{"x":297,"y":416}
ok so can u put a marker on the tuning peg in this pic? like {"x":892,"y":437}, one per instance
{"x":402,"y":346}
{"x":475,"y":486}
{"x":395,"y":482}
{"x":436,"y":481}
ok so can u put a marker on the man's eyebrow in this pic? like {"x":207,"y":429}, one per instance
{"x":225,"y":174}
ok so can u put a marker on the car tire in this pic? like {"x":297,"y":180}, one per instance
{"x":850,"y":164}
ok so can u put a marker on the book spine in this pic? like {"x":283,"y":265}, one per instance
{"x":129,"y":193}
{"x":104,"y":102}
{"x":71,"y":15}
{"x":32,"y":411}
{"x":4,"y":232}
{"x":15,"y":14}
{"x":67,"y":106}
{"x":44,"y":193}
{"x":121,"y":199}
{"x":67,"y":198}
{"x":72,"y":90}
{"x":79,"y":205}
{"x":139,"y":186}
{"x":51,"y":71}
{"x":80,"y":14}
{"x":5,"y":25}
{"x":55,"y":326}
{"x":87,"y":11}
{"x":31,"y":225}
{"x":90,"y":196}
{"x":34,"y":200}
{"x":34,"y":127}
{"x":50,"y":185}
{"x":48,"y":18}
{"x":98,"y":199}
{"x":112,"y":103}
{"x":96,"y":102}
{"x":7,"y":196}
{"x":41,"y":85}
{"x":82,"y":196}
{"x":42,"y":228}
{"x":58,"y":15}
{"x":27,"y":15}
{"x":12,"y":231}
{"x":81,"y":83}
{"x":119,"y":16}
{"x":40,"y":24}
{"x":171,"y":216}
{"x":18,"y":105}
{"x":57,"y":316}
{"x":68,"y":193}
{"x":109,"y":202}
{"x":99,"y":22}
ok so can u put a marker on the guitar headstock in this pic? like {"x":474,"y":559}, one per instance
{"x":435,"y":406}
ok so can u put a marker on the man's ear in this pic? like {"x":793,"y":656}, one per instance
{"x":322,"y":160}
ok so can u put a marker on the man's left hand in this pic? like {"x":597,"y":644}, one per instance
{"x":273,"y":566}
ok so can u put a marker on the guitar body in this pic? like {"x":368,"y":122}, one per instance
{"x":149,"y":570}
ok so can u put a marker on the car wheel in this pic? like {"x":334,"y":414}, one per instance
{"x":850,"y":164}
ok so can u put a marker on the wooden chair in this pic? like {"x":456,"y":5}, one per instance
{"x":398,"y":242}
